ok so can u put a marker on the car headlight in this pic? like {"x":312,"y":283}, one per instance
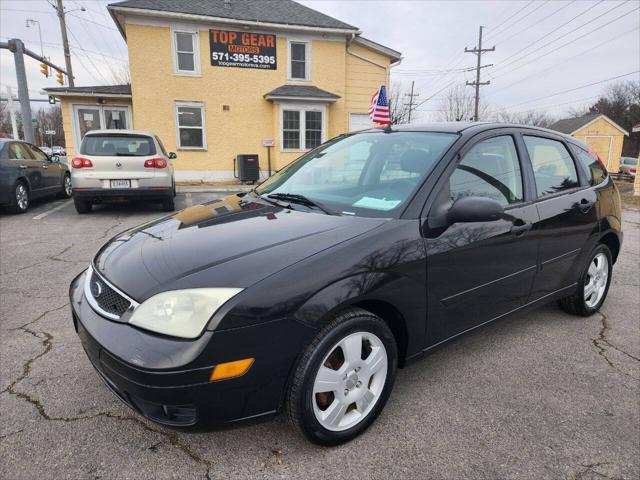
{"x":181,"y":313}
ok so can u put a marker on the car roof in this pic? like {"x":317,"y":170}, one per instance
{"x":120,"y":132}
{"x":463,"y":127}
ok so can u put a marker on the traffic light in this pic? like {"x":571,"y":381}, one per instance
{"x":52,"y":100}
{"x":60,"y":78}
{"x":44,"y":68}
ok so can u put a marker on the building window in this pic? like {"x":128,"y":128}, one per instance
{"x":186,"y":58}
{"x":299,"y":62}
{"x":190,"y":125}
{"x":301,"y":128}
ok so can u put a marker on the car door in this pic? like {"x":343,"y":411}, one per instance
{"x":23,"y":159}
{"x":567,"y":209}
{"x":479,"y":271}
{"x":51,"y":173}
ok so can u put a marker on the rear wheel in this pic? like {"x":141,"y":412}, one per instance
{"x":593,"y":285}
{"x":168,"y":204}
{"x":82,"y":206}
{"x":20,"y":201}
{"x":344,"y":378}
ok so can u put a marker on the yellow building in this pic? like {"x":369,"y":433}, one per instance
{"x":598,"y":131}
{"x":221,"y":78}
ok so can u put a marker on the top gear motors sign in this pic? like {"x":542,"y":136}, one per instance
{"x":243,"y":49}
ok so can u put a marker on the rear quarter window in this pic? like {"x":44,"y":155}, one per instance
{"x":118,"y":145}
{"x":596,"y":173}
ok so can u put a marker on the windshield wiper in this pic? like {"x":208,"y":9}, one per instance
{"x":301,"y":199}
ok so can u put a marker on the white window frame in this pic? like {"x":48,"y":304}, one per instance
{"x":199,"y":105}
{"x":307,"y":60}
{"x":77,"y":138}
{"x":302,"y":108}
{"x":195,"y":34}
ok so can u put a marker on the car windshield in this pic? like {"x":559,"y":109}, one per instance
{"x":117,"y":145}
{"x":370,"y":174}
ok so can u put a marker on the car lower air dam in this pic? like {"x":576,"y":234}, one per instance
{"x":181,"y":313}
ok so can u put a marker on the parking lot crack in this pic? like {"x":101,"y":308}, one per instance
{"x":602,"y":344}
{"x":591,"y":468}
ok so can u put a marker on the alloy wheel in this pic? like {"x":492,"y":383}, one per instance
{"x":596,"y":282}
{"x":22,"y":196}
{"x":350,"y":381}
{"x":67,"y":185}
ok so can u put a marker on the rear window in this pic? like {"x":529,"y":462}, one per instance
{"x":117,"y":145}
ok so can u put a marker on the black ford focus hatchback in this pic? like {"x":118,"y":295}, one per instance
{"x":306,"y":294}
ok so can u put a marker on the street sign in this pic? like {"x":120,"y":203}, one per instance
{"x":49,"y":132}
{"x":268,"y":142}
{"x":34,"y":120}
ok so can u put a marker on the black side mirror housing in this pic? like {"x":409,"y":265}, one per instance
{"x":475,"y":209}
{"x":172,"y":155}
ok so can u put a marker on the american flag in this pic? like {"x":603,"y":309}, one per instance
{"x":379,"y":109}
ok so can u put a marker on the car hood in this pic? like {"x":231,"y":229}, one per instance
{"x":234,"y":242}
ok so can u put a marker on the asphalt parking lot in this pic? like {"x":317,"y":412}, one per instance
{"x":541,"y":395}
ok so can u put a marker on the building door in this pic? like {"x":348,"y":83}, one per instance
{"x":602,"y":146}
{"x":359,"y":121}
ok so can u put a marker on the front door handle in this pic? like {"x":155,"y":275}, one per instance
{"x":520,"y":227}
{"x":585,"y":205}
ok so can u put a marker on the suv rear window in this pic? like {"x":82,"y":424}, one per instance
{"x":118,"y":145}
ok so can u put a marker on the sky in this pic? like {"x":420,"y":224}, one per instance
{"x":550,"y":55}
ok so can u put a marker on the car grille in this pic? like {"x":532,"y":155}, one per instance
{"x":106,"y":297}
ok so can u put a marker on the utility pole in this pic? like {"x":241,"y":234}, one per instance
{"x":12,"y":113}
{"x":65,"y":42}
{"x":478,"y":51}
{"x":411,"y":103}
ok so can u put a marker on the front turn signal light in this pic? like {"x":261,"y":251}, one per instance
{"x":233,"y":369}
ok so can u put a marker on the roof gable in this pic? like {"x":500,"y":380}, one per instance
{"x":285,"y":12}
{"x":571,"y":125}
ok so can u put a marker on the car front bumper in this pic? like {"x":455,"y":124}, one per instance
{"x":167,"y":379}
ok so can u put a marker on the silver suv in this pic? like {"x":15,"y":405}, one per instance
{"x":122,"y":165}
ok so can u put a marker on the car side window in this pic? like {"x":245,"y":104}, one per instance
{"x":594,"y":169}
{"x":490,"y":169}
{"x":37,"y":153}
{"x":17,"y":151}
{"x":553,"y":167}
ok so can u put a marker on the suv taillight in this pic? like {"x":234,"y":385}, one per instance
{"x":633,"y":169}
{"x":79,"y":162}
{"x":155,"y":163}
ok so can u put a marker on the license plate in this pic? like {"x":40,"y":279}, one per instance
{"x":120,"y":183}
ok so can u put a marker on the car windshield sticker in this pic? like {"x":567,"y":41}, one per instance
{"x":376,"y":203}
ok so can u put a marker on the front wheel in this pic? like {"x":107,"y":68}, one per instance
{"x":344,"y":378}
{"x":593,"y":284}
{"x":65,"y":192}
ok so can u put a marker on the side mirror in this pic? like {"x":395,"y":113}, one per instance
{"x":55,"y":158}
{"x":172,"y":155}
{"x":475,"y":209}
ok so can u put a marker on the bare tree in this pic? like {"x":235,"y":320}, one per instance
{"x":51,"y":119}
{"x":121,"y":75}
{"x":398,"y":107}
{"x":530,"y":117}
{"x":458,"y":105}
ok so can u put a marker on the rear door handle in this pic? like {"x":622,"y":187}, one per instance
{"x":585,"y":205}
{"x":520,"y":227}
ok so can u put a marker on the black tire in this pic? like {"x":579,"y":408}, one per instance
{"x":64,"y":193}
{"x":576,"y":303}
{"x":168,"y":204}
{"x":82,"y":206}
{"x":300,"y":397}
{"x":20,"y":200}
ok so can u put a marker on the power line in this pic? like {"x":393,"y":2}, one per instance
{"x":564,"y":44}
{"x":574,"y":89}
{"x":511,"y":25}
{"x":497,"y":27}
{"x":536,"y":23}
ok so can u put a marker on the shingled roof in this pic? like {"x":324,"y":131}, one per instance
{"x":570,"y":125}
{"x":97,"y":90}
{"x":301,"y":91}
{"x":286,"y":12}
